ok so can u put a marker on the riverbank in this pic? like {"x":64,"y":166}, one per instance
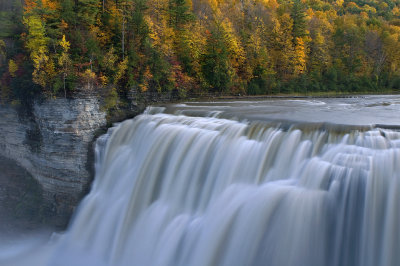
{"x":290,"y":95}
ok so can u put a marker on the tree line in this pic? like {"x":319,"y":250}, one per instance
{"x":194,"y":47}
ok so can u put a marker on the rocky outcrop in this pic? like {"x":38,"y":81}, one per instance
{"x":54,"y":144}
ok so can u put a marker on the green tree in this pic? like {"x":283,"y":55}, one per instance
{"x":87,"y":11}
{"x":215,"y":63}
{"x":179,"y":13}
{"x":299,"y":22}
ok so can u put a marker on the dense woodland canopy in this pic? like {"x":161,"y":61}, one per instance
{"x":184,"y":47}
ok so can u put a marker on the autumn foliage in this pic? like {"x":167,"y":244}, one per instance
{"x":196,"y":47}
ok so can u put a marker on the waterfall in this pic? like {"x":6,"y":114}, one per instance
{"x":174,"y":190}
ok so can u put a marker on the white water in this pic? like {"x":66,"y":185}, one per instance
{"x":199,"y":191}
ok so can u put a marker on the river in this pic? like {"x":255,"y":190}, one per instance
{"x":279,"y":182}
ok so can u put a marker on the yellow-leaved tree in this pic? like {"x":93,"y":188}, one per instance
{"x":89,"y":77}
{"x":12,"y":68}
{"x":36,"y":43}
{"x":299,"y":57}
{"x":64,"y":61}
{"x":282,"y":46}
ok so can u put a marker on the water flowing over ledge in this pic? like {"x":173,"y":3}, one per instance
{"x":356,"y":111}
{"x":174,"y":190}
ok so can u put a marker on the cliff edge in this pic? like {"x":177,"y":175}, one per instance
{"x":54,"y":144}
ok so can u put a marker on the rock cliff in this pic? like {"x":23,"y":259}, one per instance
{"x":53,"y":144}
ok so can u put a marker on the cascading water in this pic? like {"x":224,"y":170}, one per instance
{"x":174,"y":190}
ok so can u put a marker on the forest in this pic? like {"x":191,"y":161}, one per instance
{"x":54,"y":48}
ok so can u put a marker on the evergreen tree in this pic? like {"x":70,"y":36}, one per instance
{"x":179,"y":13}
{"x":215,"y":63}
{"x":87,"y":11}
{"x":299,"y":22}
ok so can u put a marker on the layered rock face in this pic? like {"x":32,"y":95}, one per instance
{"x":54,"y":145}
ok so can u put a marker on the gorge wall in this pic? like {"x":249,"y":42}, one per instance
{"x":53,"y":143}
